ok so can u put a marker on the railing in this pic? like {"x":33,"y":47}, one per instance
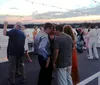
{"x":86,"y":81}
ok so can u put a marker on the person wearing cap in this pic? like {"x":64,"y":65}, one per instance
{"x":15,"y":50}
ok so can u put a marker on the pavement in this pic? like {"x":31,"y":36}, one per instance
{"x":86,"y":67}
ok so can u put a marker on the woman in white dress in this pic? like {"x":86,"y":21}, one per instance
{"x":26,"y":45}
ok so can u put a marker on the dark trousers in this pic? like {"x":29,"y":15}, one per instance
{"x":13,"y":62}
{"x":20,"y":66}
{"x":45,"y":75}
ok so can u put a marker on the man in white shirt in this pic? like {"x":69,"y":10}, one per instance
{"x":93,"y":37}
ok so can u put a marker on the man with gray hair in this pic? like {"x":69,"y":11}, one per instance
{"x":15,"y":50}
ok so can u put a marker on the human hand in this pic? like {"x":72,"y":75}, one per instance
{"x":69,"y":69}
{"x":47,"y":63}
{"x":54,"y":65}
{"x":5,"y":23}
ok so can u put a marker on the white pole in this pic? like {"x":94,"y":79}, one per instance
{"x":99,"y":80}
{"x":90,"y":79}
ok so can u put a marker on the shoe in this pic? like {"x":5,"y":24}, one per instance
{"x":97,"y":58}
{"x":90,"y":58}
{"x":10,"y":83}
{"x":23,"y":80}
{"x":52,"y":78}
{"x":18,"y":75}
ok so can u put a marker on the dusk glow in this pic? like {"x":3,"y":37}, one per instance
{"x":39,"y":11}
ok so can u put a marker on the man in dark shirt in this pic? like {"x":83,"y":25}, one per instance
{"x":15,"y":50}
{"x":63,"y":45}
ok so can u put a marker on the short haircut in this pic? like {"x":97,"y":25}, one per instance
{"x":59,"y":28}
{"x":19,"y":24}
{"x":48,"y":25}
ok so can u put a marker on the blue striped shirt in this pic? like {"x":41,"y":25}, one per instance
{"x":42,"y":44}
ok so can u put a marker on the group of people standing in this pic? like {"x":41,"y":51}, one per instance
{"x":88,"y":39}
{"x":55,"y":47}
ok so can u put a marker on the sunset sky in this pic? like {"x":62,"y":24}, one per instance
{"x":40,"y":11}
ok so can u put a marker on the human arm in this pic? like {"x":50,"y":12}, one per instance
{"x":10,"y":33}
{"x":47,"y":63}
{"x":27,"y":54}
{"x":44,"y":42}
{"x":43,"y":46}
{"x":5,"y":28}
{"x":26,"y":49}
{"x":56,"y":52}
{"x":89,"y":34}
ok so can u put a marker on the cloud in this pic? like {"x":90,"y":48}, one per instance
{"x":14,"y":8}
{"x":2,"y":17}
{"x":71,"y":13}
{"x":77,"y":15}
{"x":47,"y":15}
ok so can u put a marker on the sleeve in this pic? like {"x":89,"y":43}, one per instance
{"x":89,"y":34}
{"x":42,"y":46}
{"x":56,"y":43}
{"x":10,"y":33}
